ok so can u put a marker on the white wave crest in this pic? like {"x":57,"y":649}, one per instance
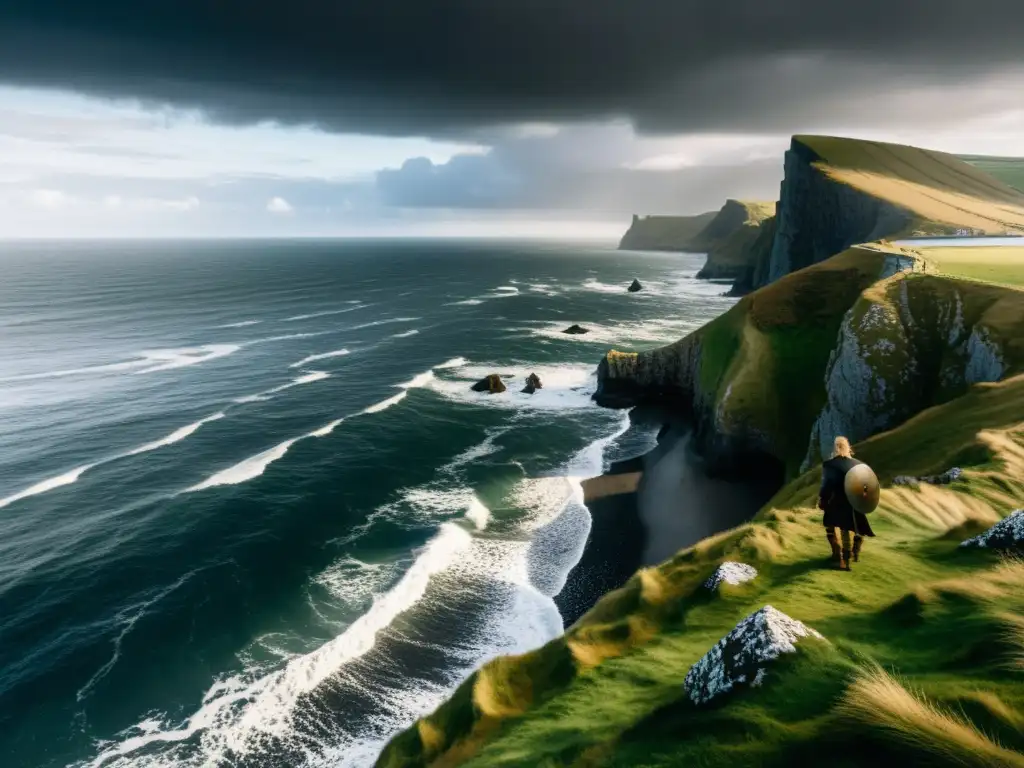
{"x":176,"y":436}
{"x":455,"y":362}
{"x":169,"y":359}
{"x":321,"y":356}
{"x":406,"y":334}
{"x":385,"y":321}
{"x":237,"y":712}
{"x":47,"y":485}
{"x":252,"y":467}
{"x":325,"y":313}
{"x":242,"y":324}
{"x":384,"y":404}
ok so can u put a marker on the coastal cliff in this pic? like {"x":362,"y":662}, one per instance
{"x":730,"y":237}
{"x":922,"y":365}
{"x":838,"y":192}
{"x":665,"y":233}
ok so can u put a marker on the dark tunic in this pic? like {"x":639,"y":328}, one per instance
{"x":838,"y":512}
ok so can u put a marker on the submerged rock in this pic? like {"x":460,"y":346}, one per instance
{"x":731,"y":573}
{"x":575,"y":330}
{"x":635,"y":286}
{"x":740,"y":657}
{"x":1006,"y":534}
{"x":491,"y":384}
{"x":532,"y":384}
{"x":947,"y":477}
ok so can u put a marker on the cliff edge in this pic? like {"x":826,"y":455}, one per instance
{"x":665,"y":233}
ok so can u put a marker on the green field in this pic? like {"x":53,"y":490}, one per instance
{"x":993,"y":264}
{"x":1009,"y":170}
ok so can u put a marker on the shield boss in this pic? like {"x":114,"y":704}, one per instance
{"x":862,"y":489}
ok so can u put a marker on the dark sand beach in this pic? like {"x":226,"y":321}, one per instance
{"x":646,"y":509}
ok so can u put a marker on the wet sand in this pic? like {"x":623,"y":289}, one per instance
{"x":646,"y":509}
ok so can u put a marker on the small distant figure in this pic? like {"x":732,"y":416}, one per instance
{"x":840,"y":489}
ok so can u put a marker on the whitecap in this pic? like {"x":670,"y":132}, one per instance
{"x":325,"y":313}
{"x":321,"y":356}
{"x":175,"y":436}
{"x":385,"y":321}
{"x":465,"y":303}
{"x":406,"y":334}
{"x":455,"y":362}
{"x":384,"y":404}
{"x":242,"y":324}
{"x":252,"y":467}
{"x":478,"y":514}
{"x":169,"y":359}
{"x":565,"y":387}
{"x":47,"y":485}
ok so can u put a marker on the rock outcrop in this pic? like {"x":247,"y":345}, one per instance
{"x":575,"y":330}
{"x":730,"y":239}
{"x":742,"y":656}
{"x":1006,"y":534}
{"x":533,"y":383}
{"x":665,"y":233}
{"x":947,"y":477}
{"x":492,"y":384}
{"x":731,"y":573}
{"x":819,"y":217}
{"x":635,"y":286}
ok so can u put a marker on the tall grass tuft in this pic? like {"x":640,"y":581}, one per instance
{"x":878,"y":700}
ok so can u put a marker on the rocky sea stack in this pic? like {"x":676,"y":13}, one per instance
{"x":532,"y":384}
{"x":575,"y":330}
{"x":491,"y":384}
{"x":635,"y":286}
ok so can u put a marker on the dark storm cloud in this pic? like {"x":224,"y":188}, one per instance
{"x":449,"y":66}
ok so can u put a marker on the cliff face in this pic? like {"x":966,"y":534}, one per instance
{"x":665,"y":233}
{"x":853,"y":346}
{"x":819,"y":217}
{"x":730,"y":238}
{"x":758,"y":258}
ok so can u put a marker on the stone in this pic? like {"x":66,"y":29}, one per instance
{"x":1006,"y":534}
{"x":575,"y":330}
{"x":491,"y":384}
{"x":742,"y":656}
{"x":947,"y":477}
{"x":635,"y":286}
{"x":532,"y":384}
{"x":731,"y":573}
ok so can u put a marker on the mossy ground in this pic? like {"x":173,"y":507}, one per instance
{"x":945,"y":621}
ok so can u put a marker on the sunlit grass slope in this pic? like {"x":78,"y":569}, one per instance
{"x":937,"y":188}
{"x":1009,"y":170}
{"x":944,"y":623}
{"x":994,"y":264}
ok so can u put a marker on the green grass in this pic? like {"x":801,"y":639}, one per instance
{"x":995,"y":264}
{"x":935,"y":616}
{"x":1009,"y":170}
{"x":940,"y":190}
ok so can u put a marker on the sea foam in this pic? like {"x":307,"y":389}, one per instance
{"x":176,"y":436}
{"x":47,"y":485}
{"x":321,"y":356}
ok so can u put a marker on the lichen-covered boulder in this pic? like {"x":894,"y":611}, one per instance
{"x":731,"y":573}
{"x":635,"y":286}
{"x":491,"y":384}
{"x":741,"y":657}
{"x":1006,"y":534}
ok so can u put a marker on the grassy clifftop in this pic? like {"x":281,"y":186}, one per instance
{"x":728,"y":239}
{"x":945,"y":623}
{"x":665,"y":233}
{"x":937,"y":188}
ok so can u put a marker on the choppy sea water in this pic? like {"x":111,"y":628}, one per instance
{"x":250,"y":511}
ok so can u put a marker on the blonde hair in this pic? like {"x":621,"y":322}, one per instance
{"x":841,"y":448}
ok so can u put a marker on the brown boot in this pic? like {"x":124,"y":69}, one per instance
{"x":858,"y":543}
{"x":847,"y":556}
{"x":833,"y":541}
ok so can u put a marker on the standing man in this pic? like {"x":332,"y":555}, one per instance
{"x":839,"y":513}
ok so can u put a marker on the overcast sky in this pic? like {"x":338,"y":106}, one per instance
{"x":467,"y":117}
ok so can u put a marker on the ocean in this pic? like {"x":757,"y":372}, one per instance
{"x":251,"y":512}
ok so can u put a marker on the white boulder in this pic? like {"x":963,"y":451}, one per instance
{"x":741,"y":657}
{"x":731,"y":573}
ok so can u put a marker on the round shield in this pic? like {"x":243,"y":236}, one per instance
{"x":862,"y":489}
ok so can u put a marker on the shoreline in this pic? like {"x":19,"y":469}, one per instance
{"x":645,"y":509}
